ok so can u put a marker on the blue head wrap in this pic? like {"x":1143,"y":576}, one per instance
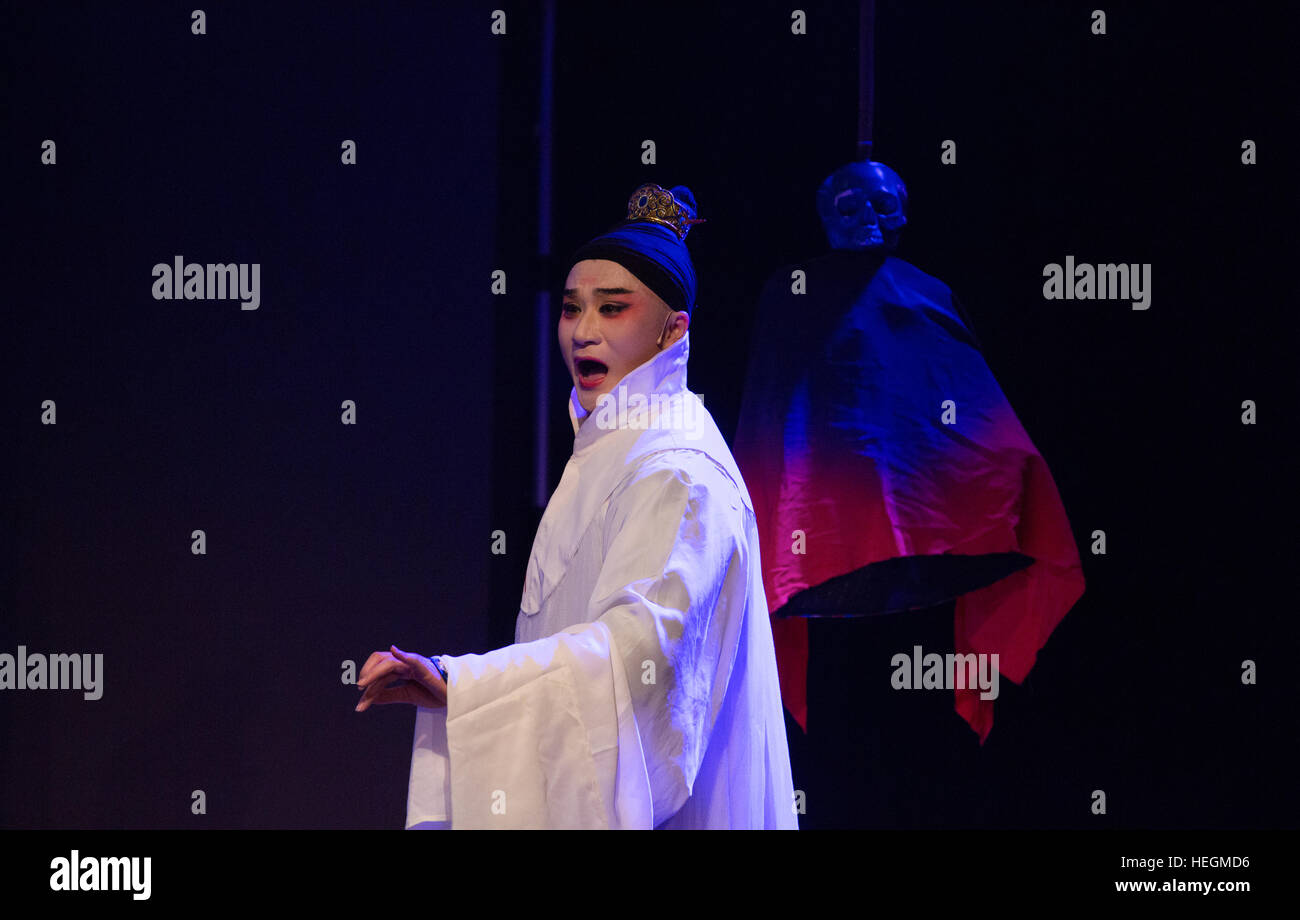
{"x":649,"y":246}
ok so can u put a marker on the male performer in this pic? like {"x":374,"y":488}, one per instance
{"x":642,"y":689}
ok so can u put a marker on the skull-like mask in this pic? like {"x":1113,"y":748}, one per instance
{"x":863,"y":206}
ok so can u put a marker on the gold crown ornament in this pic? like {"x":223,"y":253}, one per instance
{"x":655,"y":203}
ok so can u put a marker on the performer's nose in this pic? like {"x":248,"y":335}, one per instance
{"x":586,"y":330}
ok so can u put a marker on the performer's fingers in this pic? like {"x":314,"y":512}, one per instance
{"x":401,"y":692}
{"x":366,"y":702}
{"x":385,"y":684}
{"x":378,"y":663}
{"x":421,"y":668}
{"x":386,"y":668}
{"x":376,"y":659}
{"x":374,"y":693}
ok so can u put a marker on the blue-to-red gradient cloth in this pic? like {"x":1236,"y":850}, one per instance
{"x":843,"y":437}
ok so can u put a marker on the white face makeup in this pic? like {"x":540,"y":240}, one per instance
{"x":610,"y":324}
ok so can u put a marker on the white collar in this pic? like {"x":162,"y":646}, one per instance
{"x":664,"y":374}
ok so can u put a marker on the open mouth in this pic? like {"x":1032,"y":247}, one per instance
{"x":590,"y":372}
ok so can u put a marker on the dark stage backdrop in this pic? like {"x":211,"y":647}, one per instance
{"x":325,"y":541}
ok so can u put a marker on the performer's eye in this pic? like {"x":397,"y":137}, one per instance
{"x":615,"y":307}
{"x":569,"y":308}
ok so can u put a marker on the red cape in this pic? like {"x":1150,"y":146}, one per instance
{"x":872,"y":425}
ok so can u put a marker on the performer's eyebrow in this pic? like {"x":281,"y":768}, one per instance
{"x":570,"y":292}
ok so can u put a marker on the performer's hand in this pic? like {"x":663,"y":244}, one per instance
{"x":400,"y":677}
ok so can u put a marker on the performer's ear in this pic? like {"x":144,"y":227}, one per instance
{"x":659,"y":342}
{"x":671,"y":321}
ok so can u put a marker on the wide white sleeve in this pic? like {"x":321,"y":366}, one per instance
{"x":535,"y":735}
{"x":428,"y":796}
{"x":605,"y":723}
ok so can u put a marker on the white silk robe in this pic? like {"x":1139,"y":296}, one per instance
{"x":641,"y":691}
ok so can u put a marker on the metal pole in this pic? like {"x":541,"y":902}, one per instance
{"x":544,"y":311}
{"x":866,"y":75}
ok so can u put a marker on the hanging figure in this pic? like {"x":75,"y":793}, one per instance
{"x":890,"y":474}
